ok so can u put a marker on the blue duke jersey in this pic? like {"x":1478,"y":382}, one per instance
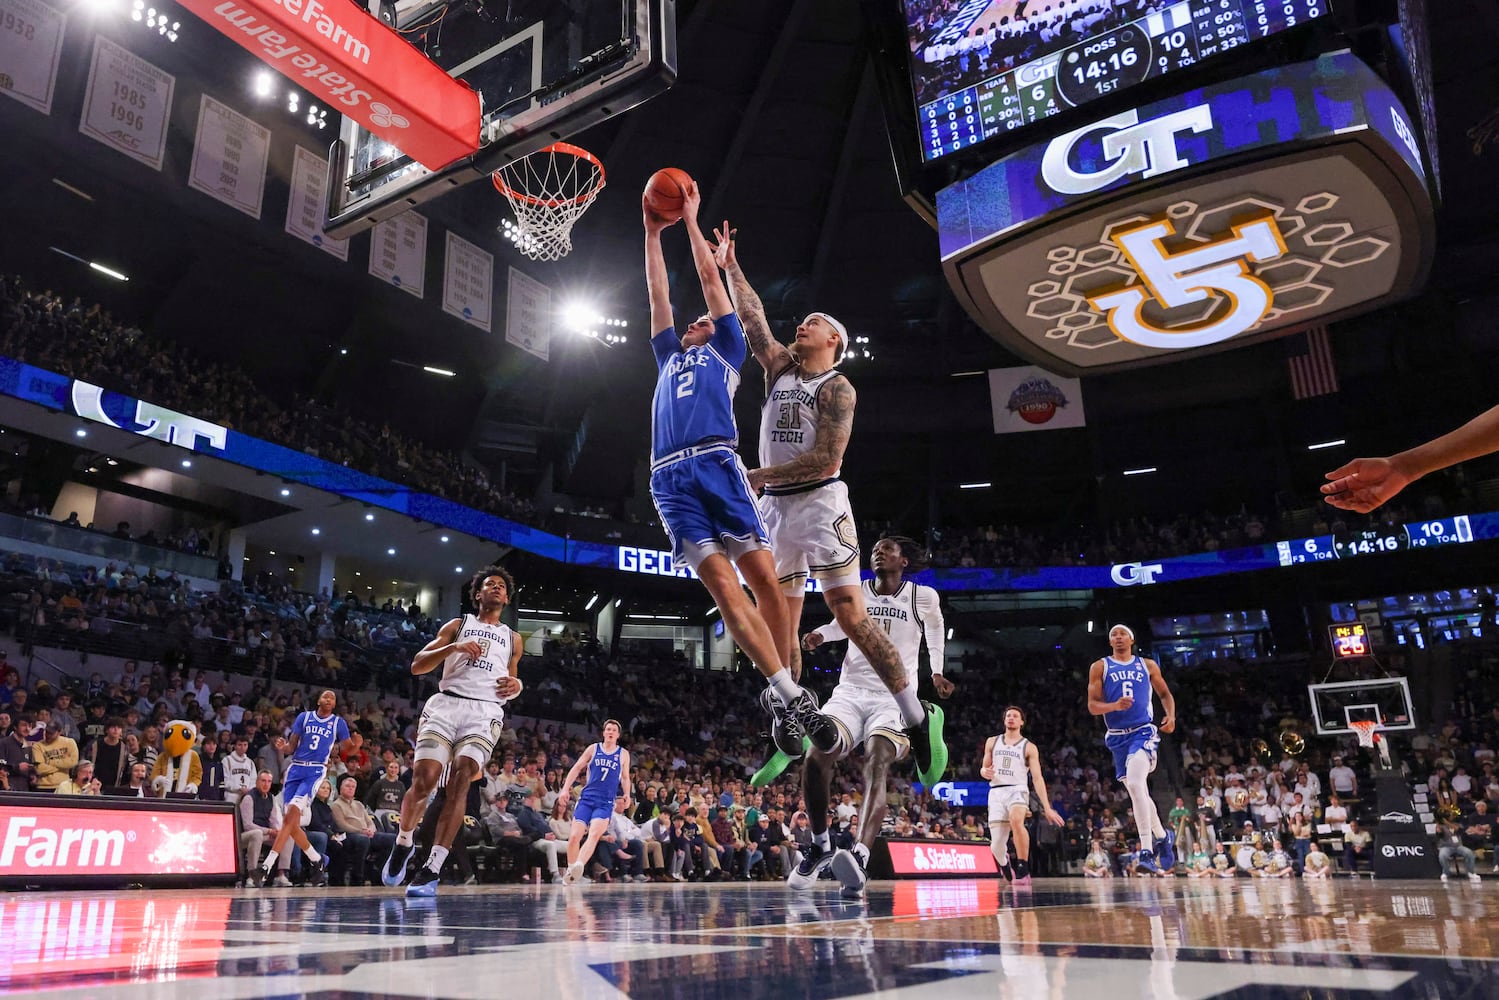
{"x":695,"y":388}
{"x":603,"y":775}
{"x":1129,"y":679}
{"x":316,"y":737}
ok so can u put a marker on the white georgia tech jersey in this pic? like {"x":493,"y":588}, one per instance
{"x":1009,"y":763}
{"x":788,"y":423}
{"x":911,"y":613}
{"x":467,"y":677}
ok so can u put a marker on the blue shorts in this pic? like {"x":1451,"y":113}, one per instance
{"x":301,"y":783}
{"x":590,"y":809}
{"x":1146,"y":739}
{"x":706,"y":506}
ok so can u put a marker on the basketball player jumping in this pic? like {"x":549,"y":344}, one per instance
{"x":479,"y":656}
{"x":608,"y":766}
{"x":804,"y":430}
{"x":1119,"y":689}
{"x":864,"y":711}
{"x":699,"y":486}
{"x":1010,"y":760}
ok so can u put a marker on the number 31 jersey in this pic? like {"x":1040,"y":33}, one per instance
{"x":467,"y":677}
{"x":1133,"y":679}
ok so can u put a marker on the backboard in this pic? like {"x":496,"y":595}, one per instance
{"x":1386,"y":700}
{"x":543,"y":69}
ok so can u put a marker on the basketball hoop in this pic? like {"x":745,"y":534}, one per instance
{"x":548,"y":191}
{"x":1365,"y":730}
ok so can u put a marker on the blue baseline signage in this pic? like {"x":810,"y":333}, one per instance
{"x":90,"y":402}
{"x":1307,"y":101}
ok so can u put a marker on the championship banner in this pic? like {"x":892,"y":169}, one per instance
{"x":127,"y":103}
{"x":528,"y":315}
{"x":1033,"y":399}
{"x":345,"y":58}
{"x":30,"y":46}
{"x":305,"y":206}
{"x":229,"y":157}
{"x":398,"y":252}
{"x":468,"y":282}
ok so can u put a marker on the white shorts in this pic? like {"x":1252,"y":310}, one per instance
{"x":458,"y":727}
{"x":860,"y":714}
{"x":813,"y":533}
{"x":1003,"y":797}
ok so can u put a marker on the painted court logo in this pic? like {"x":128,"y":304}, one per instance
{"x":1036,"y":400}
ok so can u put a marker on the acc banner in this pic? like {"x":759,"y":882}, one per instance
{"x":1033,"y":399}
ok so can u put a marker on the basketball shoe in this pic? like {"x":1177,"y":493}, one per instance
{"x":394,"y":871}
{"x":1147,"y":862}
{"x":1166,"y":852}
{"x":928,"y":748}
{"x":849,"y":868}
{"x":425,"y":883}
{"x":805,"y":875}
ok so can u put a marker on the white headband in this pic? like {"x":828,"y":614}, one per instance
{"x":839,"y":327}
{"x":1128,"y":631}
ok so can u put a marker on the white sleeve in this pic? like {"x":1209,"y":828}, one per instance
{"x":831,"y":632}
{"x":929,"y":606}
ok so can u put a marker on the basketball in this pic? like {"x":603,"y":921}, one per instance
{"x":664,"y":192}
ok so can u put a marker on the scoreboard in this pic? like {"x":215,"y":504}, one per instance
{"x":1173,"y":38}
{"x":1374,"y":541}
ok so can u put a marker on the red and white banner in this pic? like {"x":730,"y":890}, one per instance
{"x":351,"y":62}
{"x":940,"y":857}
{"x":37,"y":842}
{"x":1033,"y":399}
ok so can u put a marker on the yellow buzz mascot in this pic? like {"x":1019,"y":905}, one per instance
{"x":178,"y":768}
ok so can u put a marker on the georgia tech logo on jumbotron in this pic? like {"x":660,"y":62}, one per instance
{"x":1133,"y":147}
{"x":1135,"y":574}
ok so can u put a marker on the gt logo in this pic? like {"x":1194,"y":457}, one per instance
{"x":1133,"y":147}
{"x":1178,"y":279}
{"x":1135,"y":574}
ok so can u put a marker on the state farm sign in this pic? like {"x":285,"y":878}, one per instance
{"x":940,"y":858}
{"x":61,"y":841}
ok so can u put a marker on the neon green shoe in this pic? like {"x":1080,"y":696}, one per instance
{"x":776,"y":766}
{"x":928,"y":748}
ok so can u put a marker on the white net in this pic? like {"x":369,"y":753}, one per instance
{"x":548,"y":191}
{"x":1365,"y":733}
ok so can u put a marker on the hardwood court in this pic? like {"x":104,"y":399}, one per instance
{"x":908,"y":940}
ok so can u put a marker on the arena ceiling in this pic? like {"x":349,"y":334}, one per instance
{"x":775,"y":113}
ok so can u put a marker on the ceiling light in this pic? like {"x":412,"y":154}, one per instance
{"x":1140,"y":472}
{"x":711,"y":612}
{"x":390,"y":552}
{"x":273,"y":552}
{"x":438,"y":371}
{"x":286,"y":492}
{"x":317,"y":531}
{"x":457,"y":569}
{"x":444,"y":538}
{"x":357,"y":573}
{"x":187,"y":463}
{"x":369,"y":517}
{"x":107,"y":270}
{"x":966,"y":374}
{"x":974,"y":486}
{"x":110,"y":461}
{"x":71,"y":189}
{"x":591,"y":602}
{"x":1326,"y":444}
{"x":93,"y":468}
{"x":80,"y":432}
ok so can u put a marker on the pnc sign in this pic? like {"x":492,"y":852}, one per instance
{"x":1222,"y":216}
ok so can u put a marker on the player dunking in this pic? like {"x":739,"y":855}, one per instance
{"x":699,"y":484}
{"x":479,"y":655}
{"x":864,"y":711}
{"x":314,"y":735}
{"x":1119,"y":689}
{"x":608,"y":766}
{"x":804,"y":430}
{"x":1010,"y":760}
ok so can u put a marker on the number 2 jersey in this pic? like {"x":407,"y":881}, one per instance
{"x":1129,"y":678}
{"x":694,"y":400}
{"x":914,"y":611}
{"x":467,"y":677}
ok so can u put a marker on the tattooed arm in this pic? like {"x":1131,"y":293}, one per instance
{"x":835,"y":422}
{"x":771,"y":353}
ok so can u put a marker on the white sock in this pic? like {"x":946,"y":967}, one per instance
{"x":823,"y":840}
{"x":404,"y":837}
{"x":911,"y":712}
{"x":436,"y":858}
{"x":312,"y":854}
{"x":785,"y":688}
{"x":270,"y":861}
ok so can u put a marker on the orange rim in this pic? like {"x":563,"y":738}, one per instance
{"x":557,"y":147}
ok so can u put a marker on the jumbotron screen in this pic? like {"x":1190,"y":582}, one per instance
{"x":983,"y":67}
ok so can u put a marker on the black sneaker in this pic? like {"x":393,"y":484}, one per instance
{"x":820,"y":729}
{"x":395,"y":866}
{"x":785,"y":731}
{"x":318,"y":876}
{"x":805,"y":875}
{"x":425,"y":883}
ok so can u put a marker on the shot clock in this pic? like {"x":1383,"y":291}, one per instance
{"x":1349,"y":640}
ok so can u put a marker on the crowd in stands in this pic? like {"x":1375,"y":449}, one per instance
{"x":958,"y":43}
{"x":83,"y":341}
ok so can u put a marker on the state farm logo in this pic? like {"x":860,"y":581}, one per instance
{"x":1397,"y":817}
{"x":937,"y":859}
{"x":382,"y":115}
{"x":43,"y":847}
{"x":1402,"y":851}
